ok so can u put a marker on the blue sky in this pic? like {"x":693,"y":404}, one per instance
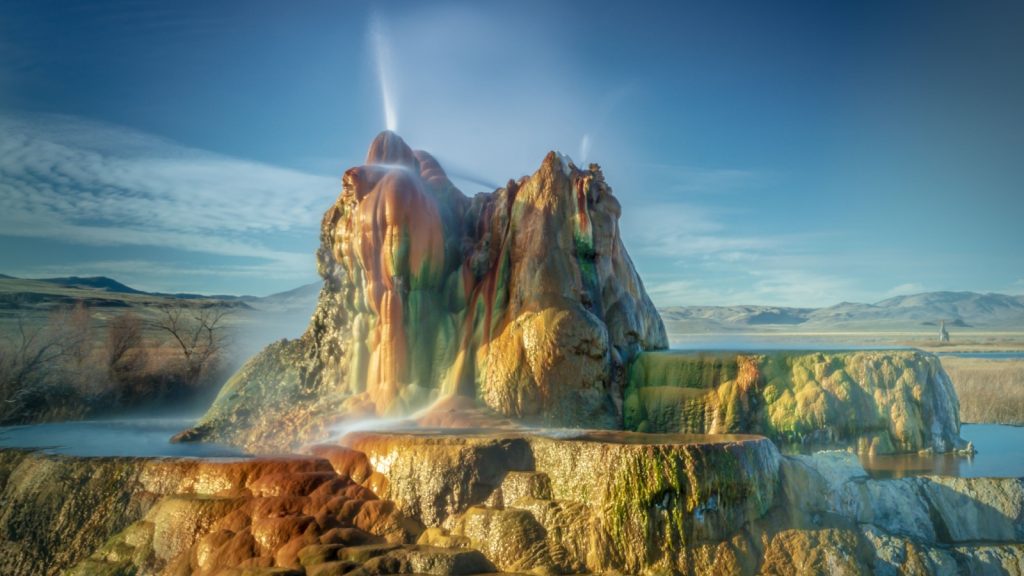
{"x":798,"y":153}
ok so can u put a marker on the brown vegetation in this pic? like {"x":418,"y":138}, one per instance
{"x":199,"y":335}
{"x":990,"y":391}
{"x":71,"y":364}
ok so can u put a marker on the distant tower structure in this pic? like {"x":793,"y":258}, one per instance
{"x":943,"y":333}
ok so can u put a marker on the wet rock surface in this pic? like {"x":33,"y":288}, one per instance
{"x":570,"y":500}
{"x":924,"y":525}
{"x":539,"y":502}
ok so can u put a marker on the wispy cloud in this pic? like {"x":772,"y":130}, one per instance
{"x":695,"y":253}
{"x":682,"y":229}
{"x":764,"y":284}
{"x":904,"y":289}
{"x":80,"y":182}
{"x":701,"y":180}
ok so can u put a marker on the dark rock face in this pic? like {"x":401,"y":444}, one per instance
{"x":524,"y":298}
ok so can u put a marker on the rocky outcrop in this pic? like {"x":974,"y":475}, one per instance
{"x":58,"y":509}
{"x":695,"y":505}
{"x":924,"y":525}
{"x":524,"y":298}
{"x":575,"y":501}
{"x":544,"y":503}
{"x":53,"y":511}
{"x":878,"y":401}
{"x":937,"y":509}
{"x":285,"y":515}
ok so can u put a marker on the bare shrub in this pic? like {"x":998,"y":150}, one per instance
{"x":200,"y":334}
{"x":125,"y":351}
{"x":80,"y":363}
{"x":64,"y":365}
{"x":31,"y":370}
{"x":76,"y":334}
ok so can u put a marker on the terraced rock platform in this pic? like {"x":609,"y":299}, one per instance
{"x":572,"y":500}
{"x":484,"y":501}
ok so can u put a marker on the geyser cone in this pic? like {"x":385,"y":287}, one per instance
{"x":393,"y":245}
{"x":388,"y":148}
{"x":523,"y":300}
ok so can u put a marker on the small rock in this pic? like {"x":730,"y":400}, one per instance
{"x":361,"y":554}
{"x":336,"y":568}
{"x":318,"y":554}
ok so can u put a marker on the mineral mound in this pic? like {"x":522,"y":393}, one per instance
{"x":523,"y":298}
{"x":524,"y":303}
{"x":879,"y":401}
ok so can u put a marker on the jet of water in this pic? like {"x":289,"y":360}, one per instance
{"x":382,"y":57}
{"x":584,"y":148}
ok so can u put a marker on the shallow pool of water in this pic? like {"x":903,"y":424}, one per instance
{"x":1000,"y":454}
{"x":1012,"y":355}
{"x":134,"y":437}
{"x":755,"y":344}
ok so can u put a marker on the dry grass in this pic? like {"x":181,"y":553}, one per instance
{"x":68,"y":363}
{"x":990,"y":391}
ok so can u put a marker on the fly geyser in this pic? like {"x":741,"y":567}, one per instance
{"x":524,"y":299}
{"x":523,"y":305}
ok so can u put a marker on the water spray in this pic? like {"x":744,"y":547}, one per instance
{"x":382,"y":58}
{"x":584,"y":148}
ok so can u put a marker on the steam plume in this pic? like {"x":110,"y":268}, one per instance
{"x":382,"y":58}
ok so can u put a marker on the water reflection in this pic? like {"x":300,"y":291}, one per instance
{"x":1000,"y":454}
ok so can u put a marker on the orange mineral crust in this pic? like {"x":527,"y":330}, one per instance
{"x":522,"y":299}
{"x":503,"y":297}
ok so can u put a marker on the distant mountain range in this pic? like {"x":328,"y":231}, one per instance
{"x":913,"y":312}
{"x":104,"y":291}
{"x":94,"y":282}
{"x":298,"y":299}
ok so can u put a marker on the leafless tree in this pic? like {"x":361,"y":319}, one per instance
{"x":30,"y":358}
{"x":125,"y":350}
{"x":79,"y":364}
{"x":77,"y":334}
{"x":200,"y":334}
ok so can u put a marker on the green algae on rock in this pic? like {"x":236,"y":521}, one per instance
{"x":880,"y":401}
